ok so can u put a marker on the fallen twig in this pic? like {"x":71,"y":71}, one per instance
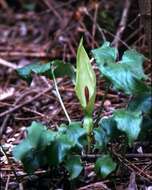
{"x":122,"y":24}
{"x":98,"y":185}
{"x":8,"y":64}
{"x":25,"y":103}
{"x":133,"y":167}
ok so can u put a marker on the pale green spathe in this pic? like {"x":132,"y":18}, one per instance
{"x":85,"y":79}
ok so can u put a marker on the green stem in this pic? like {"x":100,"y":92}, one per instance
{"x":102,"y":104}
{"x":88,"y":125}
{"x":60,"y":99}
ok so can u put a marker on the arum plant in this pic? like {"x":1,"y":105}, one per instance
{"x":63,"y":147}
{"x":85,"y":89}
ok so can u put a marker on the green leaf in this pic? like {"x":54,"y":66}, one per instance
{"x":29,"y":6}
{"x":141,"y":102}
{"x":108,"y":124}
{"x":105,"y":54}
{"x":35,"y":132}
{"x":62,"y":69}
{"x":125,"y":75}
{"x":21,"y":150}
{"x":123,"y":79}
{"x":135,"y":62}
{"x":74,"y":166}
{"x":106,"y":132}
{"x":105,"y":165}
{"x":59,"y":149}
{"x":101,"y":138}
{"x":31,"y":151}
{"x":33,"y":160}
{"x":26,"y":72}
{"x":33,"y":140}
{"x":85,"y":81}
{"x":76,"y":134}
{"x":128,"y":122}
{"x":44,"y":147}
{"x":59,"y":68}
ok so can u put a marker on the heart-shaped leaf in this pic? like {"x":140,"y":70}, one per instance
{"x":58,"y":150}
{"x":141,"y":102}
{"x":31,"y":151}
{"x":135,"y":62}
{"x":105,"y":165}
{"x":106,"y":132}
{"x":125,"y":75}
{"x":101,"y":138}
{"x":77,"y":134}
{"x":108,"y":124}
{"x":59,"y":68}
{"x":123,"y":79}
{"x":74,"y":166}
{"x":128,"y":122}
{"x":105,"y":54}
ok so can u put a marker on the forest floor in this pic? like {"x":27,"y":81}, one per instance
{"x":42,"y":31}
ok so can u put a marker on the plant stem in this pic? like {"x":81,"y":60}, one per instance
{"x":88,"y":126}
{"x":102,"y":103}
{"x":59,"y":97}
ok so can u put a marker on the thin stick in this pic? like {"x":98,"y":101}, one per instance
{"x":97,"y":25}
{"x":133,"y":167}
{"x":8,"y":160}
{"x":7,"y":182}
{"x":60,"y":99}
{"x":25,"y":103}
{"x":94,"y":24}
{"x":96,"y":185}
{"x":8,"y":64}
{"x":122,"y":24}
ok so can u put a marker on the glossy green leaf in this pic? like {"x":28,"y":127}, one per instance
{"x":106,"y":132}
{"x":59,"y":149}
{"x":101,"y":138}
{"x":125,"y":75}
{"x":26,"y":72}
{"x":85,"y":81}
{"x":128,"y":122}
{"x":105,"y":54}
{"x":105,"y":165}
{"x":62,"y":69}
{"x":123,"y":79}
{"x":135,"y":62}
{"x":108,"y":124}
{"x":44,"y":147}
{"x":31,"y":150}
{"x":59,"y":68}
{"x":141,"y":102}
{"x":21,"y":150}
{"x":77,"y":134}
{"x":74,"y":166}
